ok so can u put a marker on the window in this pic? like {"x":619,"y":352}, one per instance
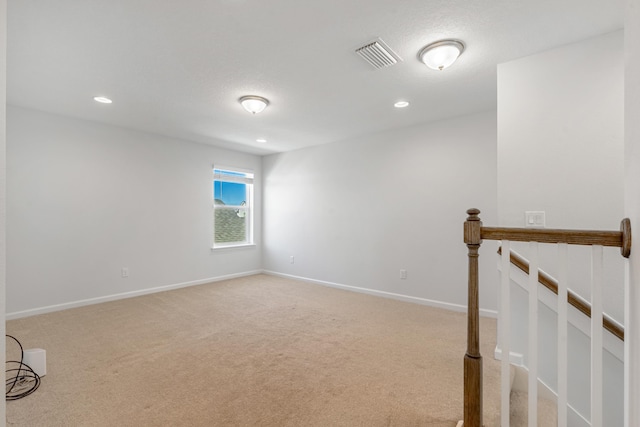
{"x":232,"y":207}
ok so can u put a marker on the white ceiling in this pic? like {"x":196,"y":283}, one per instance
{"x":177,"y":68}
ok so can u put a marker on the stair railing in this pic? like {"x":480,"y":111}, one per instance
{"x":474,"y":234}
{"x":573,"y":299}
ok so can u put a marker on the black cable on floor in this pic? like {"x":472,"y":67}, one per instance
{"x":21,"y":379}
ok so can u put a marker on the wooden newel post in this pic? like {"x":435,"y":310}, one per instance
{"x":473,"y":359}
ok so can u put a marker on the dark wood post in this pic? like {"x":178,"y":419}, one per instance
{"x":625,"y":228}
{"x":473,"y":359}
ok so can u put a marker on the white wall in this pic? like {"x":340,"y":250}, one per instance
{"x":561,"y":149}
{"x":3,"y":174}
{"x":632,"y":208}
{"x":85,"y":200}
{"x":356,"y":212}
{"x":561,"y":135}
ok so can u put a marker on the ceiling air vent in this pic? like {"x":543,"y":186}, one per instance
{"x":378,"y":54}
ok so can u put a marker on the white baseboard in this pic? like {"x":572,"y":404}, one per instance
{"x":384,"y":294}
{"x":114,"y":297}
{"x":514,"y":358}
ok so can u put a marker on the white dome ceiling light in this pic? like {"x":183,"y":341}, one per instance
{"x":254,"y":104}
{"x":441,"y":54}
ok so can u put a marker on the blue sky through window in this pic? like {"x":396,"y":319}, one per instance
{"x":231,"y":193}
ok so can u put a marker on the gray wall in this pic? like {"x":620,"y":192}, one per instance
{"x":3,"y":98}
{"x":85,"y":200}
{"x":561,"y":149}
{"x":632,"y":207}
{"x":356,"y":212}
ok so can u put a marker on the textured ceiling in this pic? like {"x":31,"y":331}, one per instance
{"x":177,"y":68}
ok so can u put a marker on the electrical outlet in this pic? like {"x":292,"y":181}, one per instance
{"x":125,"y":271}
{"x":291,"y":259}
{"x":403,"y":274}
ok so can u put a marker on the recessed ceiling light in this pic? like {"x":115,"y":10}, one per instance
{"x":441,"y":54}
{"x":254,"y":104}
{"x":401,"y":104}
{"x":261,"y":140}
{"x":102,"y":99}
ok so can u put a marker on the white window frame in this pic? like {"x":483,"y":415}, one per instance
{"x":247,"y":179}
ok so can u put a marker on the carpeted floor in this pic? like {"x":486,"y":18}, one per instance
{"x":254,"y":351}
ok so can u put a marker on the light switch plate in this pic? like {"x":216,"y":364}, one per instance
{"x":534,"y":219}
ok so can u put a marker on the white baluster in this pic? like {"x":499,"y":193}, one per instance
{"x":596,"y":336}
{"x":629,"y":366}
{"x":533,"y":334}
{"x":505,"y":331}
{"x":562,"y":334}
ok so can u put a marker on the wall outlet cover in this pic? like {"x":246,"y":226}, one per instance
{"x":534,"y":219}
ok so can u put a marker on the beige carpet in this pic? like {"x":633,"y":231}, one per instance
{"x":519,"y":406}
{"x":255,"y":351}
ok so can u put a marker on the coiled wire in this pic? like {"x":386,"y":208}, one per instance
{"x":21,"y":379}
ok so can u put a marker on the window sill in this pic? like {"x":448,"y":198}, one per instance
{"x":228,"y":247}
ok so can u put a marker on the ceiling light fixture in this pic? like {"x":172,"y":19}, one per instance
{"x":254,"y":104}
{"x":441,"y":54}
{"x":102,"y":100}
{"x":261,"y":140}
{"x":401,"y":104}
